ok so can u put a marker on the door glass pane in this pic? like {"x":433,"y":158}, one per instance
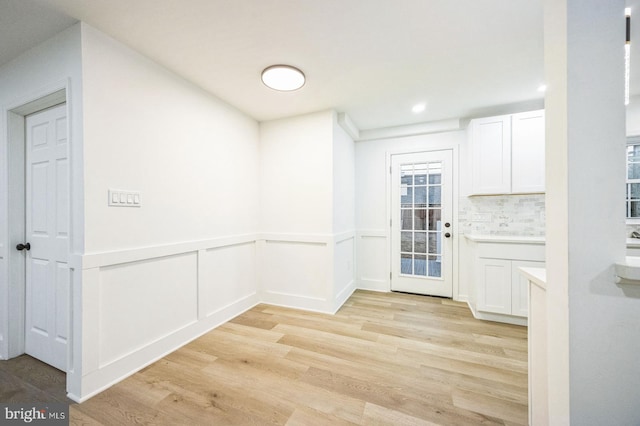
{"x":435,"y":241}
{"x":405,"y":242}
{"x":435,"y":219}
{"x":420,"y":174}
{"x":435,"y":197}
{"x":406,"y":196}
{"x":420,"y":244}
{"x":634,"y":191}
{"x":406,"y":265}
{"x":407,"y":219}
{"x":406,"y":174}
{"x":420,"y":219}
{"x":420,"y":265}
{"x":421,"y":196}
{"x":435,"y":266}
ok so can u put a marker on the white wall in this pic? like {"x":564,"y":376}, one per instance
{"x":296,"y":174}
{"x":193,"y":248}
{"x":157,"y":276}
{"x":372,"y":170}
{"x":306,"y":177}
{"x":343,"y":214}
{"x":53,"y":65}
{"x":594,"y":337}
{"x":343,"y":180}
{"x":633,"y":116}
{"x":193,"y":158}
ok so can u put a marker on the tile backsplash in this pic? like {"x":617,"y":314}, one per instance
{"x":631,"y":228}
{"x":522,"y":215}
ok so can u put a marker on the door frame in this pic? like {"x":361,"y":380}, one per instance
{"x":14,"y":117}
{"x":455,"y":152}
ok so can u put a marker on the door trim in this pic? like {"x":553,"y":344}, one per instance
{"x":14,"y":118}
{"x":455,"y":149}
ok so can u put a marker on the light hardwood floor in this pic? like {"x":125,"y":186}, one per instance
{"x":384,"y":358}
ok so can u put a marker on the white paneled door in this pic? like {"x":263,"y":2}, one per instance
{"x":421,"y":223}
{"x":47,"y":235}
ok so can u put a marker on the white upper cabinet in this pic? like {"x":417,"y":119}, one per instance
{"x":527,"y":152}
{"x":507,"y":154}
{"x":491,"y":155}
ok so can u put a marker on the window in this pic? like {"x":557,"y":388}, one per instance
{"x":633,"y":178}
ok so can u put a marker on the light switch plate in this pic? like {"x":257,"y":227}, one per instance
{"x":122,"y":198}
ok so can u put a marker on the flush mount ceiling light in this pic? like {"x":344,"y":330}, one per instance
{"x":283,"y":77}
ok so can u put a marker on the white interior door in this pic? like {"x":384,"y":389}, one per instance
{"x":47,"y":232}
{"x":421,"y":223}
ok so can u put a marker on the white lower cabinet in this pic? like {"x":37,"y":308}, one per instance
{"x":494,"y":286}
{"x":520,"y":286}
{"x":502,"y":289}
{"x":498,"y":291}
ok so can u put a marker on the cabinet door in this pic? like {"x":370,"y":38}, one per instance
{"x":527,"y":152}
{"x":491,"y":155}
{"x":520,"y":287}
{"x":494,"y":285}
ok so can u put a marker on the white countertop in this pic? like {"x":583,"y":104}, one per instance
{"x":516,"y":239}
{"x":537,"y":276}
{"x":628,"y":271}
{"x":521,"y":239}
{"x":633,"y":242}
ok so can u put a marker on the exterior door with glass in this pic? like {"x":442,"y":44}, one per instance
{"x":421,"y":223}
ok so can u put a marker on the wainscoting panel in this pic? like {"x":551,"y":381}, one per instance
{"x":144,"y":301}
{"x":139,"y":305}
{"x":344,"y":252}
{"x":227,"y":275}
{"x":372,"y":260}
{"x":295,"y":273}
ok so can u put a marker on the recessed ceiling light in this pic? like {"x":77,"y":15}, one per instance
{"x":283,"y":77}
{"x":418,"y":108}
{"x":542,"y":88}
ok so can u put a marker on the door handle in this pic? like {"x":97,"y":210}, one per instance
{"x":447,"y":235}
{"x":21,"y":247}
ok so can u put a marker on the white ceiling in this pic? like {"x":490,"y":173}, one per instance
{"x":24,"y":24}
{"x":373,"y":59}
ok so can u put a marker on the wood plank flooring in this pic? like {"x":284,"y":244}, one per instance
{"x":383,"y":359}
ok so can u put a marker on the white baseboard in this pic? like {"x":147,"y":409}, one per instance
{"x":488,"y":316}
{"x":373,"y":285}
{"x":343,"y":295}
{"x":296,"y":301}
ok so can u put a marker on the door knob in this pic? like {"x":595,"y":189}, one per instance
{"x":21,"y":247}
{"x":447,"y":235}
{"x":446,"y":225}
